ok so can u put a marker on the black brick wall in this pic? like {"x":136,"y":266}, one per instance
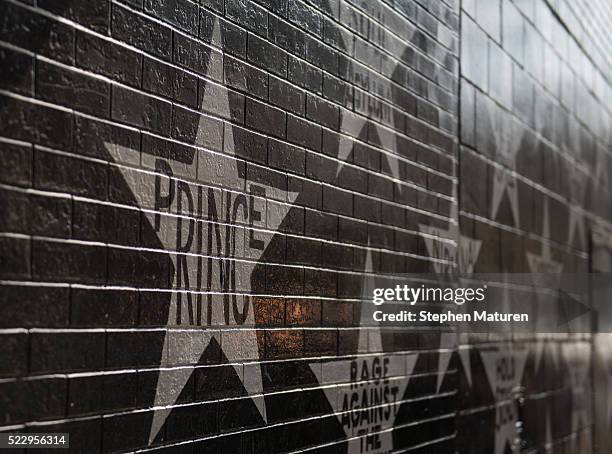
{"x":194,"y":192}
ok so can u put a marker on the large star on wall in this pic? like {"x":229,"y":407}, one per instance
{"x":172,"y":380}
{"x":449,"y":246}
{"x":543,"y":263}
{"x":365,"y":391}
{"x":508,"y":136}
{"x":504,"y":367}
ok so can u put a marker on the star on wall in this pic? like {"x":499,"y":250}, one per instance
{"x":504,"y":367}
{"x":449,"y":245}
{"x":577,"y":359}
{"x":171,"y":381}
{"x":508,"y":136}
{"x":464,"y":251}
{"x":349,"y":402}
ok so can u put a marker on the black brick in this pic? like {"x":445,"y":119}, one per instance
{"x":57,"y":172}
{"x":286,"y":157}
{"x":305,"y":75}
{"x":36,"y":123}
{"x":303,"y":251}
{"x":18,"y":158}
{"x":144,"y":269}
{"x":93,"y":14}
{"x":129,"y":431}
{"x":170,"y":82}
{"x":34,"y":306}
{"x":138,"y":109}
{"x":103,"y":308}
{"x":304,"y":133}
{"x":70,"y":262}
{"x":87,"y":433}
{"x":266,"y":55}
{"x":18,"y":25}
{"x":67,"y":351}
{"x":18,"y":71}
{"x":33,"y":399}
{"x":321,"y":225}
{"x":286,"y":96}
{"x":68,"y":87}
{"x":265,"y":118}
{"x":141,"y":32}
{"x":244,"y":77}
{"x":233,"y":38}
{"x":247,"y":14}
{"x":35,"y":214}
{"x":181,"y":13}
{"x":323,"y":112}
{"x":110,"y":59}
{"x":105,"y":103}
{"x":13,"y":354}
{"x":197,"y":56}
{"x":106,"y":140}
{"x":135,"y":348}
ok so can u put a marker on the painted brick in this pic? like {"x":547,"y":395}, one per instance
{"x":205,"y":187}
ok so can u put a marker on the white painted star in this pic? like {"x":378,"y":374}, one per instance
{"x":389,"y":144}
{"x":504,"y":367}
{"x":450,"y":246}
{"x":171,"y":381}
{"x":577,"y":359}
{"x":507,"y":140}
